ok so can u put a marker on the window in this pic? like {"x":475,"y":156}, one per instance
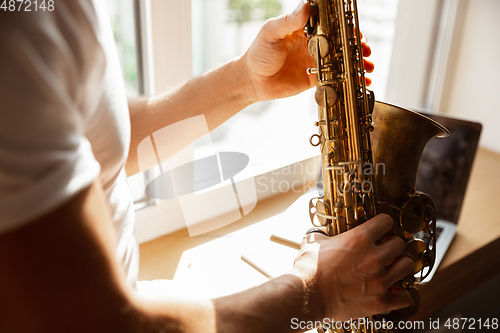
{"x":378,"y":24}
{"x":121,"y":13}
{"x":122,"y":21}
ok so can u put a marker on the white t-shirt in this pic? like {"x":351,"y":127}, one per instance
{"x":64,"y":117}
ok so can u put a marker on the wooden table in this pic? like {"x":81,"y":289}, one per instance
{"x":473,"y":257}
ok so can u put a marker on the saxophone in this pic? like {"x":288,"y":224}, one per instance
{"x":359,"y":179}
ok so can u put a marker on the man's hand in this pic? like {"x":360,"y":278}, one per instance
{"x":352,"y":275}
{"x":273,"y":67}
{"x":278,"y":58}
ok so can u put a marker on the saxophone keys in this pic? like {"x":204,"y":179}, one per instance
{"x":318,"y":45}
{"x":318,"y":138}
{"x":310,"y":27}
{"x":331,"y":96}
{"x":322,"y":208}
{"x":413,"y":307}
{"x":428,"y":258}
{"x":312,"y":71}
{"x":417,"y":213}
{"x":411,"y":223}
{"x":415,"y":250}
{"x":428,"y":213}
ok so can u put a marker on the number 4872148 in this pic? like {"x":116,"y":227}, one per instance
{"x":472,"y":323}
{"x":27,"y":5}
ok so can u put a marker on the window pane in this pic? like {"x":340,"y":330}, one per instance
{"x":377,"y":20}
{"x":224,"y":29}
{"x":121,"y":13}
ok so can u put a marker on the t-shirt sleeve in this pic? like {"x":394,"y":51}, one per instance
{"x":48,"y":67}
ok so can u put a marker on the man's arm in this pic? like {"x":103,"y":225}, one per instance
{"x":273,"y":67}
{"x":59,"y":274}
{"x":218,"y":95}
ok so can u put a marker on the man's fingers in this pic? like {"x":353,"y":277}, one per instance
{"x":369,"y":66}
{"x":280,"y":27}
{"x":392,"y":299}
{"x":398,"y":270}
{"x":390,"y":249}
{"x":376,"y":227}
{"x":367,"y":51}
{"x":397,"y":298}
{"x":368,"y":81}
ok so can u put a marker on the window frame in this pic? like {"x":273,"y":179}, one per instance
{"x":426,"y":44}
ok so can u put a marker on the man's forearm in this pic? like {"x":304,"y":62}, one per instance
{"x":271,"y":307}
{"x":218,"y":95}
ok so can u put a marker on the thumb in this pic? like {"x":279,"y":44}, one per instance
{"x":280,"y":27}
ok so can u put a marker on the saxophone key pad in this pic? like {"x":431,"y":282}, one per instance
{"x":415,"y":249}
{"x":318,"y":42}
{"x":331,"y":96}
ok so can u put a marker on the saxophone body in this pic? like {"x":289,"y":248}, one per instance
{"x":370,"y":151}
